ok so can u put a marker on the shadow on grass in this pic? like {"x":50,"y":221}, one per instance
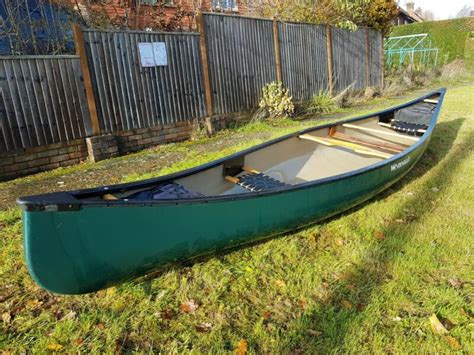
{"x":333,"y":319}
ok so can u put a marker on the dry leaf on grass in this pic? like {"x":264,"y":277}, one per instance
{"x":189,"y":306}
{"x":437,"y":326}
{"x":241,"y":347}
{"x":455,"y":282}
{"x":70,"y":316}
{"x":6,"y":318}
{"x":455,"y":345}
{"x":55,"y":347}
{"x":339,"y":242}
{"x":78,"y":341}
{"x":280,"y":283}
{"x":267,"y":315}
{"x":379,"y":235}
{"x":346,"y":304}
{"x":100,"y":326}
{"x":204,"y":327}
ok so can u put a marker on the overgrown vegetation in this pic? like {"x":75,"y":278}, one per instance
{"x":321,"y":102}
{"x":341,"y":13}
{"x":276,"y":100}
{"x":450,"y":36}
{"x":368,"y":281}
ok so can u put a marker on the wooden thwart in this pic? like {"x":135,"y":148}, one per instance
{"x":380,"y":145}
{"x":355,"y":147}
{"x":430,"y":101}
{"x":379,"y":131}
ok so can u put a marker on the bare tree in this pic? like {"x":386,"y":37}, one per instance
{"x":465,"y":11}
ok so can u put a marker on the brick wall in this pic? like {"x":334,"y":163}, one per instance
{"x":34,"y":160}
{"x":149,"y":15}
{"x":38,"y":159}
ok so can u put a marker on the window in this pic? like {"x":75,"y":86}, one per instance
{"x":226,"y":5}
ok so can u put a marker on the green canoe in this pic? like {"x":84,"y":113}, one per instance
{"x":82,"y":241}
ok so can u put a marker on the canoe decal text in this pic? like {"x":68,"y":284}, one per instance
{"x":399,"y":165}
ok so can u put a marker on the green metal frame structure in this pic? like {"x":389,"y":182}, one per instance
{"x":410,"y":49}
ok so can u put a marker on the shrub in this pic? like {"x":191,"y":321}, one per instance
{"x":276,"y":100}
{"x":321,"y":102}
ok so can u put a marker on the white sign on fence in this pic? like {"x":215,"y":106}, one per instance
{"x":153,"y":54}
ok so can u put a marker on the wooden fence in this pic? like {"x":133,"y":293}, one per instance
{"x":130,"y":96}
{"x":42,"y":101}
{"x":221,"y":69}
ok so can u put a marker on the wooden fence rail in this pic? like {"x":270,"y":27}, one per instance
{"x":42,"y":101}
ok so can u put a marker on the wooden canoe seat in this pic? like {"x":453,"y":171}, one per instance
{"x":352,"y":146}
{"x":379,"y":131}
{"x":109,"y":197}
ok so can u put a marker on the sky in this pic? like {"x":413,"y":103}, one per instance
{"x":442,"y":9}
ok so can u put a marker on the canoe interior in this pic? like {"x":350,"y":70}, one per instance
{"x":310,"y":156}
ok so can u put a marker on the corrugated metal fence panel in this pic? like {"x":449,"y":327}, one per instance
{"x":348,"y":53}
{"x":375,"y":57}
{"x":304,"y":59}
{"x":130,"y":96}
{"x":43,"y":101}
{"x":241,"y":60}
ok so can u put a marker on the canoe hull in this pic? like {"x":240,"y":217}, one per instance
{"x":95,"y":247}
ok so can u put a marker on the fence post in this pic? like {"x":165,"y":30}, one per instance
{"x":367,"y":58}
{"x":205,"y":70}
{"x":276,"y":45}
{"x":81,"y":52}
{"x":329,"y":50}
{"x":382,"y":60}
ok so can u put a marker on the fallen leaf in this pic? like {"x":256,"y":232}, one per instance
{"x":2,"y":225}
{"x":379,"y":235}
{"x":204,"y":327}
{"x":453,"y":342}
{"x":78,"y":341}
{"x":189,"y":306}
{"x":55,"y":347}
{"x":396,"y":319}
{"x":314,"y":332}
{"x":302,"y":303}
{"x":339,"y":242}
{"x":360,"y":307}
{"x":241,"y":347}
{"x":280,"y":283}
{"x":346,"y":304}
{"x":32,"y":304}
{"x":100,"y":326}
{"x":70,"y":316}
{"x":434,"y":189}
{"x":455,"y":282}
{"x":437,"y":326}
{"x":351,"y":287}
{"x":167,"y":314}
{"x":6,"y":318}
{"x":400,"y":220}
{"x":267,"y":315}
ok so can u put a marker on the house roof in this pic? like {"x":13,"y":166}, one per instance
{"x":411,"y":14}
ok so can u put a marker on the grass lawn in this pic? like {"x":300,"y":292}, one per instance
{"x":366,"y":281}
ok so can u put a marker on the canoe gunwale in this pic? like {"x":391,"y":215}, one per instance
{"x":65,"y":201}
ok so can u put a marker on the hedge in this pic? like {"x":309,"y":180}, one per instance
{"x":452,"y":37}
